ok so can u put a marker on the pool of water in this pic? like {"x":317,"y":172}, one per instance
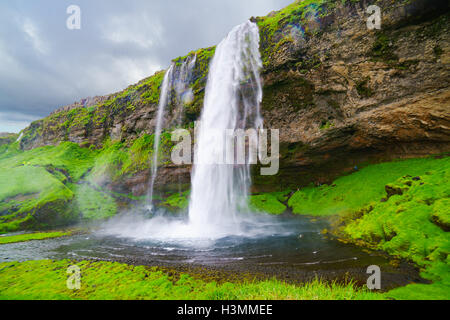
{"x":295,"y":250}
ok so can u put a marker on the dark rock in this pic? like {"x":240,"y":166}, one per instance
{"x":394,"y":190}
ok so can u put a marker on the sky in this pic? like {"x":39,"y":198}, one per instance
{"x":45,"y":65}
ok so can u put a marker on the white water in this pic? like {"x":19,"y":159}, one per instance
{"x":218,"y":204}
{"x":179,"y":81}
{"x":20,"y":137}
{"x":163,"y":99}
{"x":181,"y":84}
{"x":232,"y":101}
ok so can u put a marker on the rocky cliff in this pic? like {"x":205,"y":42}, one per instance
{"x":341,"y":95}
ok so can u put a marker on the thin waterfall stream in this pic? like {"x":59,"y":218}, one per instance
{"x":164,"y":97}
{"x":177,"y":80}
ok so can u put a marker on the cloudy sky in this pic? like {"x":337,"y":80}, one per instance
{"x":44,"y":65}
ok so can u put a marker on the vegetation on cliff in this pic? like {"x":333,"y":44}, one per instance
{"x":77,"y":122}
{"x":301,"y":19}
{"x":177,"y":201}
{"x":33,"y":186}
{"x":273,"y":203}
{"x":57,"y":185}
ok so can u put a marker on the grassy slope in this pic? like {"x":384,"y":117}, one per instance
{"x":272,"y":203}
{"x":69,"y":178}
{"x":94,"y":204}
{"x":67,"y":156}
{"x":410,"y":222}
{"x":25,"y":189}
{"x":111,"y":281}
{"x":32,"y":236}
{"x":44,"y":178}
{"x":353,"y":192}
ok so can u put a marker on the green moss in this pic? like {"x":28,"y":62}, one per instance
{"x":9,"y":150}
{"x":353,"y":192}
{"x":420,"y":292}
{"x":114,"y":281}
{"x":139,"y":154}
{"x":406,"y":226}
{"x":108,"y":163}
{"x":67,"y":156}
{"x":199,"y":78}
{"x":6,"y":140}
{"x":325,"y":125}
{"x":269,"y":202}
{"x":93,"y":204}
{"x":151,"y":87}
{"x":100,"y":116}
{"x":37,"y":187}
{"x":117,"y":159}
{"x":383,"y":50}
{"x":204,"y":54}
{"x":441,"y":213}
{"x":80,"y":118}
{"x":399,"y":207}
{"x":177,"y":201}
{"x":292,"y":19}
{"x":32,"y":236}
{"x":26,"y":192}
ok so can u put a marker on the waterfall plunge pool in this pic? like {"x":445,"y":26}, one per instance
{"x":291,"y":248}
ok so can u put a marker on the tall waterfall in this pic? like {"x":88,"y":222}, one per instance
{"x":219,"y":192}
{"x":232,"y":101}
{"x":176,"y":79}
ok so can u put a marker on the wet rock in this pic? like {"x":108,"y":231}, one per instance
{"x":392,"y":190}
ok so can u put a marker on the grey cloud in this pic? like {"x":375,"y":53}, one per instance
{"x":43,"y":65}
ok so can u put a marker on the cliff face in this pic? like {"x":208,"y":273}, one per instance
{"x":340,"y":94}
{"x":343,"y":95}
{"x":7,"y":138}
{"x":123,"y":116}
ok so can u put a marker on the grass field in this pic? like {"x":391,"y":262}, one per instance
{"x":47,"y":280}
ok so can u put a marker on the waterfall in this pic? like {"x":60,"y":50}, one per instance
{"x":218,"y":206}
{"x":181,"y":85}
{"x":232,"y":101}
{"x":177,"y":79}
{"x":163,"y":99}
{"x":20,"y":137}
